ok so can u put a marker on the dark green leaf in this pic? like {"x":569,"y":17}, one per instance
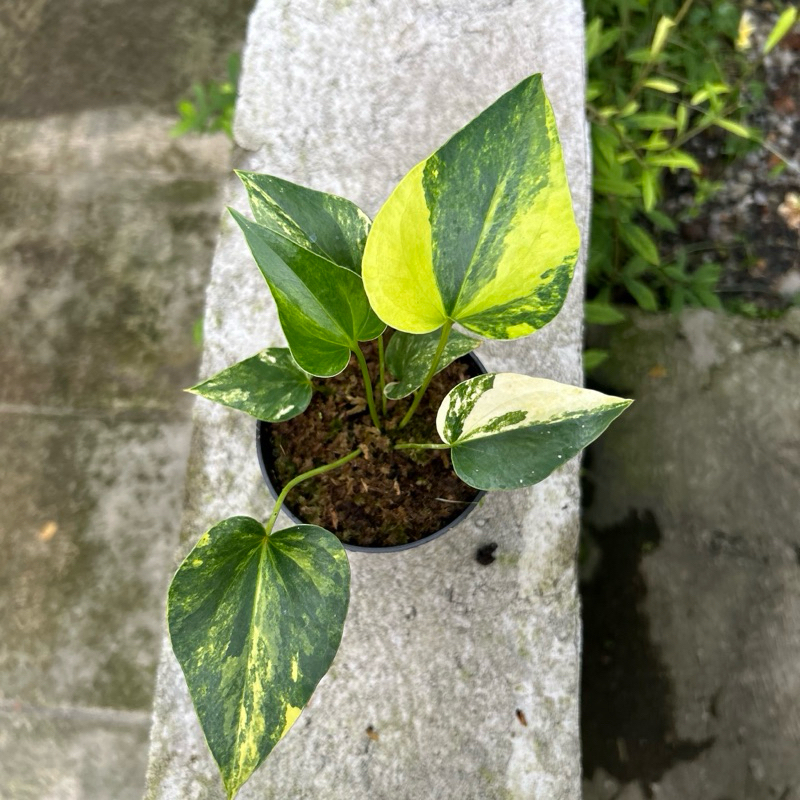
{"x":661,"y":220}
{"x":322,"y":307}
{"x":677,"y":300}
{"x":640,"y":241}
{"x":641,"y":293}
{"x":675,"y":273}
{"x":593,"y":358}
{"x":325,"y":224}
{"x":602,"y":313}
{"x":706,"y":297}
{"x":619,"y":187}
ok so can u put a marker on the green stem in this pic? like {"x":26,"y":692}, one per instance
{"x":421,"y":446}
{"x":368,"y":387}
{"x":381,"y":374}
{"x":431,"y":372}
{"x":305,"y":476}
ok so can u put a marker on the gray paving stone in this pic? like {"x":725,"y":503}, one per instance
{"x":438,"y":652}
{"x":102,"y":284}
{"x":711,"y":448}
{"x":71,"y":754}
{"x":88,"y":530}
{"x":77,"y":54}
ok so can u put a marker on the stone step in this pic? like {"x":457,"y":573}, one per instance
{"x":454,"y":680}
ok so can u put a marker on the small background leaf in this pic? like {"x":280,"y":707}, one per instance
{"x":593,"y":358}
{"x":599,"y":312}
{"x":784,"y":24}
{"x":640,"y":242}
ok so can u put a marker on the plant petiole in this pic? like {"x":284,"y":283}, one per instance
{"x":446,"y":328}
{"x":381,"y":374}
{"x":421,"y":446}
{"x":362,"y":362}
{"x":299,"y":479}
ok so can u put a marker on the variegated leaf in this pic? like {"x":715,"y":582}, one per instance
{"x":409,"y":356}
{"x":322,"y":307}
{"x":255,"y":622}
{"x":482,"y":232}
{"x":268,"y":386}
{"x":325,"y":224}
{"x":506,"y":431}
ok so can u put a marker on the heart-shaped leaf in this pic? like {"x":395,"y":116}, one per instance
{"x":482,"y":232}
{"x":409,"y":356}
{"x":268,"y":386}
{"x":255,"y":622}
{"x":322,"y":307}
{"x":325,"y":224}
{"x":506,"y":431}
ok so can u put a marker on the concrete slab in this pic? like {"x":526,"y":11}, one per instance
{"x":439,"y":653}
{"x":694,"y":497}
{"x":78,"y":54}
{"x":118,"y":218}
{"x":90,"y":511}
{"x":71,"y":754}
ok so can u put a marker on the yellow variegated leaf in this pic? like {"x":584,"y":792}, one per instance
{"x":255,"y":621}
{"x":482,"y":232}
{"x":268,"y":386}
{"x":506,"y":431}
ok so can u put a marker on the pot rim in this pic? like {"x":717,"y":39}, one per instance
{"x":357,"y":548}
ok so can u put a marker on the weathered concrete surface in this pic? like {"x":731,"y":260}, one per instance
{"x":439,"y":652}
{"x":106,"y":232}
{"x":103,"y":219}
{"x":90,"y":507}
{"x":69,"y":55}
{"x":702,"y":475}
{"x":107,"y":228}
{"x":76,"y":754}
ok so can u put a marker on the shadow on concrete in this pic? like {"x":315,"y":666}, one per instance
{"x":627,"y":714}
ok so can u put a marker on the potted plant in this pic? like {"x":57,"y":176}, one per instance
{"x":480,"y":234}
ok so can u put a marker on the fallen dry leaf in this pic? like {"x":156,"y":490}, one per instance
{"x":47,"y":531}
{"x":789,"y":209}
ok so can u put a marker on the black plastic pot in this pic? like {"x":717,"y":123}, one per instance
{"x":265,"y":463}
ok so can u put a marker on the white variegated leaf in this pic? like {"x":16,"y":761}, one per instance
{"x":507,"y":431}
